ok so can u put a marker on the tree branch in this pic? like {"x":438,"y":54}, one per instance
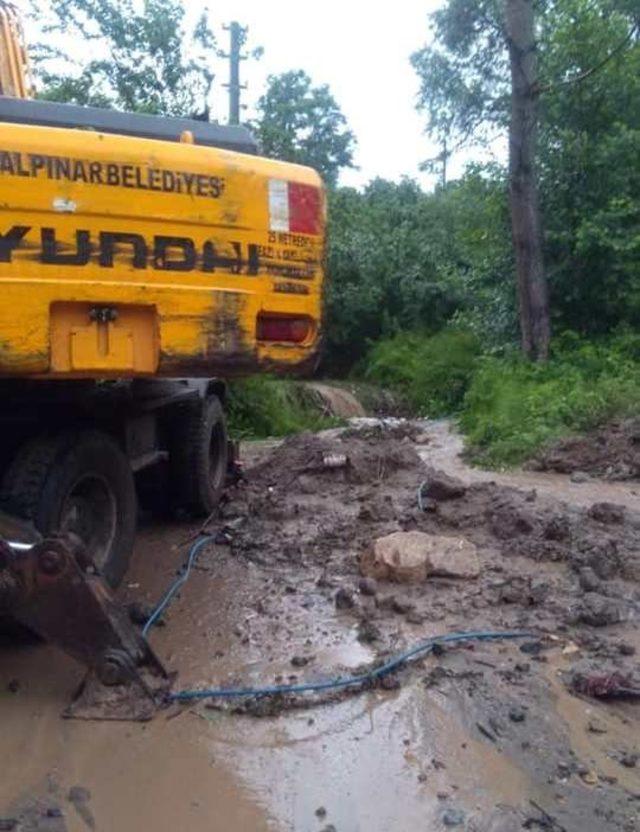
{"x":635,"y":29}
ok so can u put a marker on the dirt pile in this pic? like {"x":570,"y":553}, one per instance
{"x":604,"y":537}
{"x":319,"y":501}
{"x":365,"y":459}
{"x":612,"y":453}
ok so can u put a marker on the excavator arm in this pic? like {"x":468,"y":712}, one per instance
{"x":50,"y":586}
{"x":15,"y":78}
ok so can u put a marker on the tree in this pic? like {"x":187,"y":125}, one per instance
{"x":463,"y":73}
{"x":118,"y":53}
{"x":298,"y":122}
{"x":485,"y":54}
{"x":465,"y":90}
{"x":403,"y":260}
{"x":533,"y":300}
{"x":589,"y":155}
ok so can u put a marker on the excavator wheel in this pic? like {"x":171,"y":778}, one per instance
{"x":198,"y":456}
{"x":77,"y":482}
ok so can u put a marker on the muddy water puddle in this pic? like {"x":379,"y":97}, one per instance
{"x":595,"y":728}
{"x":372,"y":761}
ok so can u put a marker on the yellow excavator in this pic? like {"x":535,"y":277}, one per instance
{"x":144,"y":260}
{"x":15,"y":78}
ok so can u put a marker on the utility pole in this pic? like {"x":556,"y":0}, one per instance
{"x":237,"y":35}
{"x":445,"y":158}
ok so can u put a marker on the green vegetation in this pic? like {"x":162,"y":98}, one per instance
{"x":262,"y":406}
{"x":509,"y":407}
{"x":431,"y":373}
{"x":143,"y":57}
{"x":514,"y":407}
{"x":302,"y":123}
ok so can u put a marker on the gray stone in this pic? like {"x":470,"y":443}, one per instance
{"x":579,"y":477}
{"x":453,"y":817}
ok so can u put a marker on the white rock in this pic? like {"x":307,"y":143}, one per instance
{"x":410,"y":557}
{"x":454,"y":557}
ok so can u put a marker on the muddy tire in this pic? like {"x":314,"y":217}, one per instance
{"x":198,"y":456}
{"x":81,"y":482}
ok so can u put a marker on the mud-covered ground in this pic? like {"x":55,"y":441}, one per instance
{"x":612,"y":453}
{"x":485,"y":736}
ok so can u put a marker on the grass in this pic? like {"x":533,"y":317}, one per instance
{"x":262,"y":406}
{"x":431,"y":373}
{"x":514,"y":408}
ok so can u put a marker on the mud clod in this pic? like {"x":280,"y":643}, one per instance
{"x":439,"y":486}
{"x":517,"y":714}
{"x":599,"y":611}
{"x":344,"y":599}
{"x":80,"y":797}
{"x":629,"y":760}
{"x":597,"y":726}
{"x":368,"y":632}
{"x":579,"y":477}
{"x":589,"y":581}
{"x":368,"y":586}
{"x":607,"y":513}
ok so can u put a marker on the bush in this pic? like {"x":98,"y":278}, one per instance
{"x":400,"y":259}
{"x":512,"y":408}
{"x":262,"y":406}
{"x":431,"y":372}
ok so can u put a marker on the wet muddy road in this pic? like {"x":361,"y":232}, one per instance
{"x":485,"y":737}
{"x":444,"y":446}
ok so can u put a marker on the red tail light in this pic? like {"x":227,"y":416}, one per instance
{"x":285,"y":328}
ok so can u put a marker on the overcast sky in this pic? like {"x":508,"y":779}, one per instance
{"x":361,"y":49}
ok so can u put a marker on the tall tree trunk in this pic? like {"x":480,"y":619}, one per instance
{"x":533,"y":296}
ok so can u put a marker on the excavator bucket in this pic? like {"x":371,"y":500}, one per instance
{"x":52,"y":589}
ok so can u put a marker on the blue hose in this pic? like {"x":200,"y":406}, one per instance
{"x":424,"y":648}
{"x":182,"y":578}
{"x":343,"y":682}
